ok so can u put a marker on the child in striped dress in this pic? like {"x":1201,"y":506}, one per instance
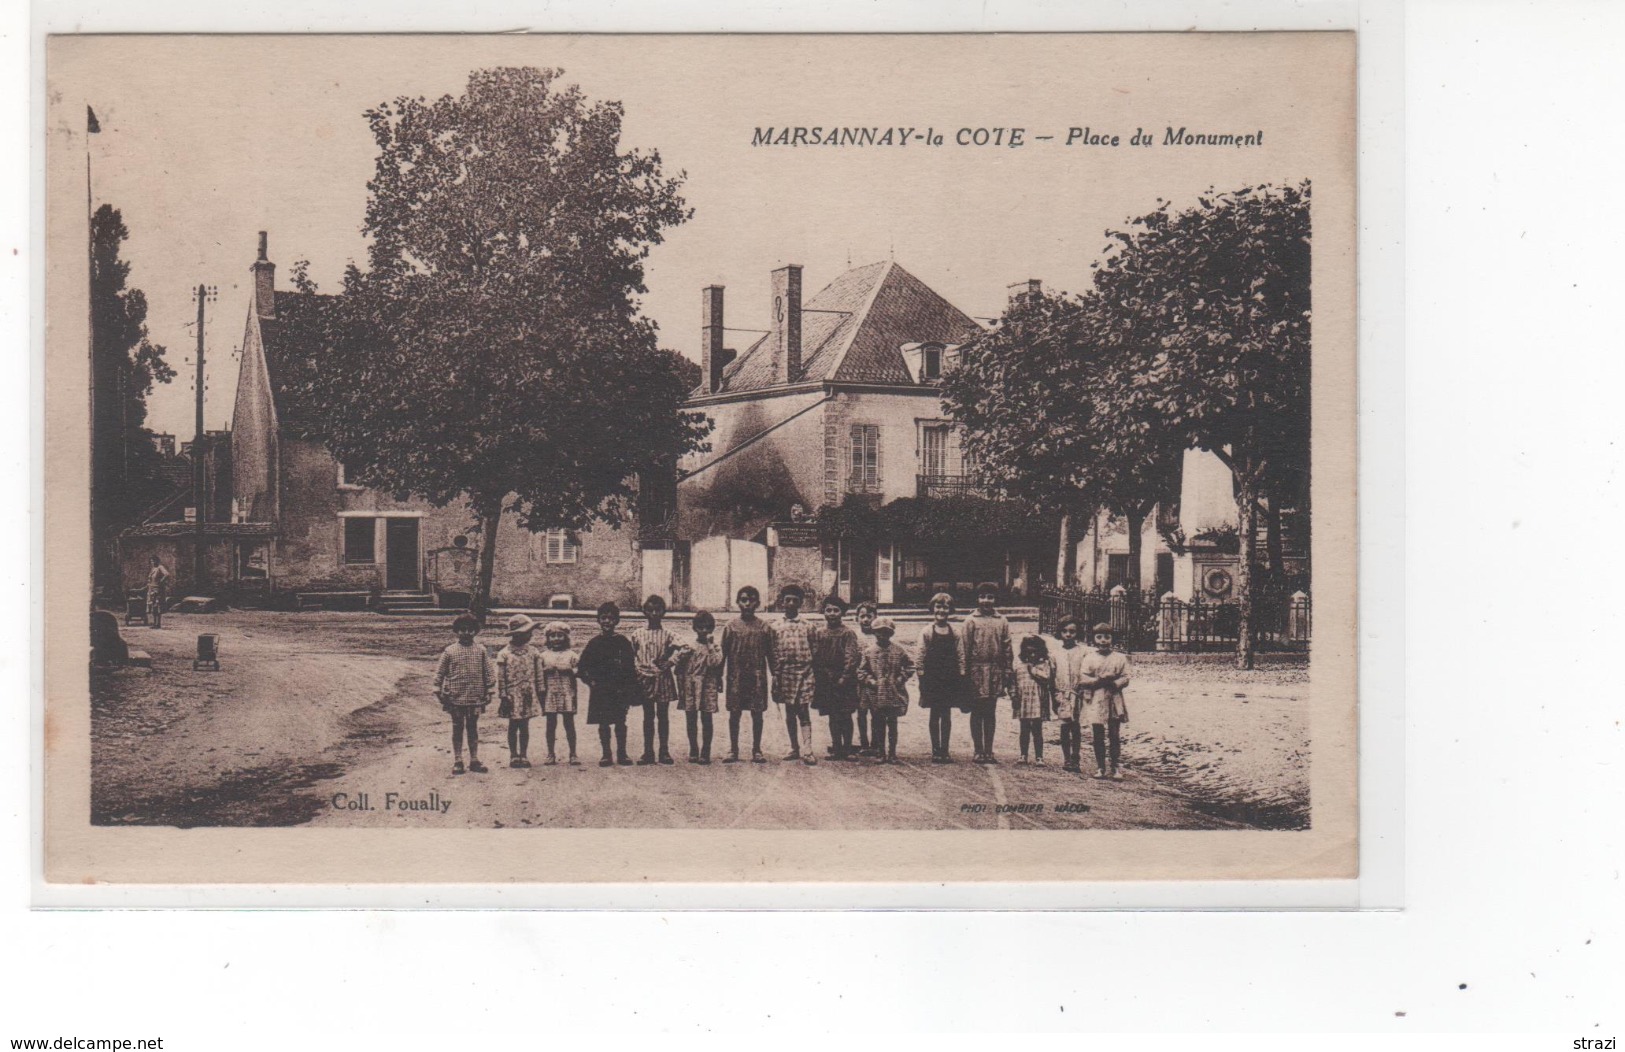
{"x":465,"y":683}
{"x":655,"y":648}
{"x":885,"y":670}
{"x":559,"y":688}
{"x":699,"y":680}
{"x":1030,"y":701}
{"x":518,"y":685}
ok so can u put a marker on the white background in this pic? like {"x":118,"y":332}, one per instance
{"x":1491,"y":492}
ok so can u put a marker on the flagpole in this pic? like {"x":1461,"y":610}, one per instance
{"x":90,"y":318}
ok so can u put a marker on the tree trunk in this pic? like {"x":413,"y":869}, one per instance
{"x":1063,"y":565}
{"x":1272,"y":533}
{"x":1247,"y":505}
{"x":1136,"y":531}
{"x":490,"y":513}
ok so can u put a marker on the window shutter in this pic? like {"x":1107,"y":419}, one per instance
{"x":874,"y":438}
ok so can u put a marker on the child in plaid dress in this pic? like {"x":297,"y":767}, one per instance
{"x":885,"y":670}
{"x":518,"y":686}
{"x":559,"y":688}
{"x":699,"y":680}
{"x":790,"y":658}
{"x":1030,"y":701}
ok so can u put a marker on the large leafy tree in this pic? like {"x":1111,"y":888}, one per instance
{"x":125,"y":365}
{"x":493,"y":351}
{"x":1204,"y":325}
{"x":1030,"y":394}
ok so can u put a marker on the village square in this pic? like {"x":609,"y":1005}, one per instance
{"x":452,"y":488}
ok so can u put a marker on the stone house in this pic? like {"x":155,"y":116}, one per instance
{"x":833,"y":463}
{"x":317,"y":532}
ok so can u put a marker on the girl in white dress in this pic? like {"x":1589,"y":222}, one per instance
{"x":558,"y":663}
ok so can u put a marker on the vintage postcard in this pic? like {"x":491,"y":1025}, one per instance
{"x":700,"y":458}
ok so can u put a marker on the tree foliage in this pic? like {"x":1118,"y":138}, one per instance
{"x":1195,"y":333}
{"x":493,"y":351}
{"x":126,"y":364}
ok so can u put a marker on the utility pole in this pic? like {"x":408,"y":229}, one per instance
{"x":200,"y":568}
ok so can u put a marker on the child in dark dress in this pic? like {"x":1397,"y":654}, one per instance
{"x":942,"y":674}
{"x":607,"y":667}
{"x":835,"y":677}
{"x":745,"y":646}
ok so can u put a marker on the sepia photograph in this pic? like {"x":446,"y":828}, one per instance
{"x":687,"y":441}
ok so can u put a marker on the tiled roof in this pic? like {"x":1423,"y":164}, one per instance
{"x":854,"y":328}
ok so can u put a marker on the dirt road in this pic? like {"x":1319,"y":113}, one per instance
{"x":327,"y":718}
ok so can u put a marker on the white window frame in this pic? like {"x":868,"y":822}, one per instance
{"x":561,"y":548}
{"x":352,"y":487}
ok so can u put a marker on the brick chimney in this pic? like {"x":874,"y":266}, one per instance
{"x":264,"y":283}
{"x":713,"y":356}
{"x":786,"y":333}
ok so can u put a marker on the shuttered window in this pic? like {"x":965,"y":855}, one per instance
{"x":865,"y":475}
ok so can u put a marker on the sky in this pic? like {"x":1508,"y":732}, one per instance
{"x":206,"y":141}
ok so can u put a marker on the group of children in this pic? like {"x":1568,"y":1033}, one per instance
{"x":857,"y":679}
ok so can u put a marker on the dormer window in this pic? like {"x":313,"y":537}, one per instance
{"x":931,"y":362}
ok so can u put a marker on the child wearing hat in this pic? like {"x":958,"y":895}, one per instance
{"x":987,"y":660}
{"x":559,"y":664}
{"x":519,"y":679}
{"x":789,"y":658}
{"x":699,"y":680}
{"x":654,"y":648}
{"x":942,"y":674}
{"x":885,"y":671}
{"x":835,"y":676}
{"x":745,"y":647}
{"x":607,"y":667}
{"x":465,"y":683}
{"x":1102,"y":675}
